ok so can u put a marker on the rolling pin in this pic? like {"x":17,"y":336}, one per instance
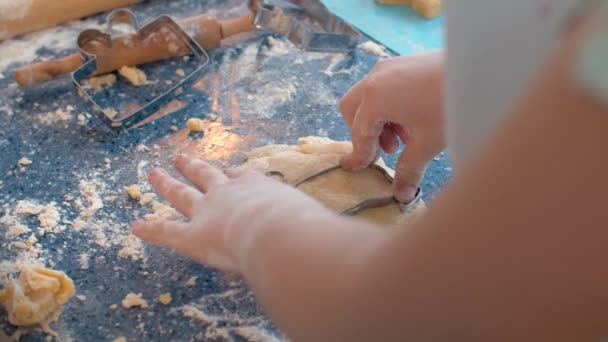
{"x":22,"y":16}
{"x":130,"y":50}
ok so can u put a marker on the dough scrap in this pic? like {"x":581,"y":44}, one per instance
{"x":426,"y":8}
{"x":37,"y":296}
{"x":165,"y":298}
{"x":134,"y":191}
{"x":195,"y":125}
{"x":134,"y":300}
{"x":134,"y":75}
{"x":99,"y":82}
{"x":339,"y":189}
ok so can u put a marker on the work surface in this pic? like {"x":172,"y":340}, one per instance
{"x":261,"y":94}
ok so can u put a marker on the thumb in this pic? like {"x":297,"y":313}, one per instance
{"x":410,"y":170}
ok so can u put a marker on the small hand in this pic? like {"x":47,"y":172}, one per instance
{"x":400,"y":99}
{"x":226,"y":211}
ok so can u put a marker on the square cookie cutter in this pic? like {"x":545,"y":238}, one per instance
{"x":89,"y":68}
{"x":308,"y":24}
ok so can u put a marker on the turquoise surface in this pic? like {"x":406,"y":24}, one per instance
{"x":399,"y":28}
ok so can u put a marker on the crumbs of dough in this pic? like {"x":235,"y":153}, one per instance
{"x":110,"y":112}
{"x":195,"y":313}
{"x":27,"y":208}
{"x":134,"y":300}
{"x":99,"y":82}
{"x":191,"y":281}
{"x":165,"y":298}
{"x":180,"y":72}
{"x":147,"y":198}
{"x":81,"y":298}
{"x":49,"y":217}
{"x":89,"y":191}
{"x":120,"y":339}
{"x":195,"y":125}
{"x":17,"y":230}
{"x":134,"y":191}
{"x":134,"y":75}
{"x":142,"y":148}
{"x":83,"y":259}
{"x":113,"y":307}
{"x":24,"y":161}
{"x":160,"y":212}
{"x":131,"y":248}
{"x":373,"y":47}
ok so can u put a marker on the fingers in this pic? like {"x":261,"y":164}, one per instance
{"x":388,"y":140}
{"x":172,"y":234}
{"x":409,"y":172}
{"x":351,"y":101}
{"x":181,"y":196}
{"x":365,"y":133}
{"x":202,"y":175}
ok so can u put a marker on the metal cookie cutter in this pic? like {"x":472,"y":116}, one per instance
{"x":125,"y":16}
{"x":308,"y":24}
{"x":371,"y":203}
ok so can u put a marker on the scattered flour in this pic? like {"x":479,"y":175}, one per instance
{"x":24,"y":50}
{"x":62,"y":116}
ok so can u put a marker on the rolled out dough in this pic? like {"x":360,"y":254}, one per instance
{"x":37,"y":296}
{"x":339,"y":189}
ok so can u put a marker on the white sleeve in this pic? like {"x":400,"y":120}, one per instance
{"x":494,"y":47}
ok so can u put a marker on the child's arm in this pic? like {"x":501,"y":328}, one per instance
{"x":515,"y":249}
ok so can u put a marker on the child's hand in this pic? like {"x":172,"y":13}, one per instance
{"x":399,"y":99}
{"x":226,"y":212}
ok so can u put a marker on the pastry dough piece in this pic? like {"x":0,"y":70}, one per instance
{"x":37,"y":296}
{"x":427,"y":8}
{"x":338,"y":189}
{"x":341,"y":189}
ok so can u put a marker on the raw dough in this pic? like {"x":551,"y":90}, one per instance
{"x":195,"y":125}
{"x":134,"y":300}
{"x":165,"y":298}
{"x":339,"y":189}
{"x":427,"y":8}
{"x":99,"y":82}
{"x":37,"y":296}
{"x":134,"y":191}
{"x":134,"y":75}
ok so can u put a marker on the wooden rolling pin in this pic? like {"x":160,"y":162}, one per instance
{"x":130,"y":50}
{"x":23,"y":16}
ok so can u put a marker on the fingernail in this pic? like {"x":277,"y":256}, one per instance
{"x":181,"y":159}
{"x":406,"y":193}
{"x":154,"y":173}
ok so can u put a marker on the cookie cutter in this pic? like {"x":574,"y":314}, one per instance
{"x":370,"y":203}
{"x":89,"y":67}
{"x":308,"y":24}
